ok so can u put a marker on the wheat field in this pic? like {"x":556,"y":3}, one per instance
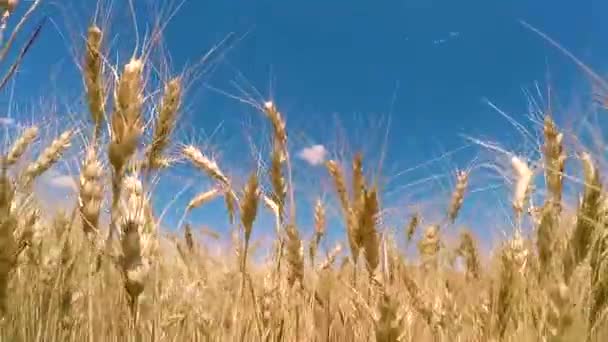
{"x":78,"y":277}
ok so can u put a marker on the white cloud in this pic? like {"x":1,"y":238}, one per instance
{"x":6,"y":121}
{"x":63,"y":182}
{"x":313,"y":155}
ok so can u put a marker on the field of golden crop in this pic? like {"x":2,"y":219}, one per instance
{"x":75,"y":277}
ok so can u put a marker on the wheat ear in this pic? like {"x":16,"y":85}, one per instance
{"x":165,"y":122}
{"x":91,"y":192}
{"x":93,"y":78}
{"x":48,"y":157}
{"x":21,"y":144}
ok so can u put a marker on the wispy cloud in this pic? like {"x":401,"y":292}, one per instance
{"x":6,"y":121}
{"x":313,"y":155}
{"x":63,"y":182}
{"x":451,"y":36}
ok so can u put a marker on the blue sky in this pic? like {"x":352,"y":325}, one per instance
{"x":344,"y":72}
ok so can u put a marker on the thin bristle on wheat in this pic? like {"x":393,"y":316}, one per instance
{"x":21,"y":144}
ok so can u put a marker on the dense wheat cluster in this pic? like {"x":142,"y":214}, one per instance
{"x":78,"y":277}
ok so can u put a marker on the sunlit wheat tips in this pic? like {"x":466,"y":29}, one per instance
{"x":126,"y":121}
{"x":278,"y":125}
{"x":523,"y":178}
